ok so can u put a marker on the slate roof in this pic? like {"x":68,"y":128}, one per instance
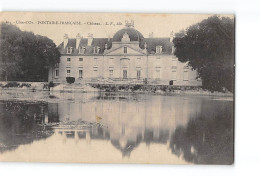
{"x":153,"y":42}
{"x":84,"y":43}
{"x":134,"y":35}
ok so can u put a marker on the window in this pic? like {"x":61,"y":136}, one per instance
{"x":138,"y":74}
{"x":158,"y":74}
{"x":95,"y":71}
{"x":80,"y":59}
{"x":68,"y":73}
{"x":69,"y":50}
{"x":80,"y":73}
{"x":95,"y":61}
{"x":110,"y":61}
{"x":173,"y":49}
{"x":186,"y":75}
{"x":56,"y":73}
{"x":158,"y":49}
{"x":82,"y":50}
{"x":138,"y":61}
{"x":96,"y":49}
{"x":174,"y":58}
{"x":125,"y":49}
{"x":125,"y":74}
{"x":68,"y":62}
{"x":174,"y":75}
{"x":111,"y":72}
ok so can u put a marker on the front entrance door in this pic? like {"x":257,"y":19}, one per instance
{"x":124,"y":74}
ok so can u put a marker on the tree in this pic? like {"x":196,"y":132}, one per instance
{"x":25,"y":56}
{"x":209,"y":47}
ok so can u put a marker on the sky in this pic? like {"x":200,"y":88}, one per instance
{"x":55,"y":25}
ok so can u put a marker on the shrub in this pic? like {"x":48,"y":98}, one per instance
{"x":70,"y":80}
{"x":12,"y":84}
{"x":51,"y":84}
{"x":137,"y":87}
{"x":25,"y":85}
{"x":145,"y":81}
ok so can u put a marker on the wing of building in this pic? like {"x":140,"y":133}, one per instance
{"x":127,"y":58}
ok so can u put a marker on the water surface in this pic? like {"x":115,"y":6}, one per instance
{"x":115,"y":128}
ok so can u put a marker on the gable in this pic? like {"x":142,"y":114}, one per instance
{"x":120,"y":51}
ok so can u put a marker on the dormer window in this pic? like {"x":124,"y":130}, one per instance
{"x":96,"y":49}
{"x":82,"y":50}
{"x":125,"y":50}
{"x":69,"y":50}
{"x":173,"y":49}
{"x":158,"y":49}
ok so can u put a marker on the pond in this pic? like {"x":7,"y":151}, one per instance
{"x":115,"y":128}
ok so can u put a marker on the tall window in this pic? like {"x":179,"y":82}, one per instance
{"x":56,"y":73}
{"x":82,"y":50}
{"x":174,"y":75}
{"x":95,"y":71}
{"x":110,"y":61}
{"x":68,"y":73}
{"x":80,"y":73}
{"x":111,"y":72}
{"x":125,"y":49}
{"x":125,"y":74}
{"x":158,"y":49}
{"x":96,"y":49}
{"x":186,"y":75}
{"x":138,"y":61}
{"x":69,"y":50}
{"x":68,"y":62}
{"x":95,"y":61}
{"x":173,"y":49}
{"x":158,"y":74}
{"x":138,"y":76}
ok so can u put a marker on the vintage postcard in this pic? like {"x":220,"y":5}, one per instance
{"x":117,"y":88}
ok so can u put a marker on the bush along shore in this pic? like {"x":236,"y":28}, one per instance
{"x":152,"y":89}
{"x":160,"y":89}
{"x":25,"y":85}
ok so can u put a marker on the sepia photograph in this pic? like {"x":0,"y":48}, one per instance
{"x":117,"y":88}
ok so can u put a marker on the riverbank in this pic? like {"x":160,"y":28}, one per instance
{"x":160,"y":90}
{"x":168,"y":90}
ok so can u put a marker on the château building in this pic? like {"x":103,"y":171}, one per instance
{"x":127,"y":58}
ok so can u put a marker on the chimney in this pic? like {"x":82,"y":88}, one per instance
{"x":65,"y":40}
{"x":78,"y":37}
{"x":171,"y":36}
{"x":151,"y":35}
{"x":90,"y":39}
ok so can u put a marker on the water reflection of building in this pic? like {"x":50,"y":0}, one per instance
{"x":128,"y":120}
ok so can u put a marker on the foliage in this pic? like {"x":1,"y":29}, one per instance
{"x":51,"y":84}
{"x":24,"y":55}
{"x":207,"y":138}
{"x":209,"y":47}
{"x":12,"y":84}
{"x":70,"y":80}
